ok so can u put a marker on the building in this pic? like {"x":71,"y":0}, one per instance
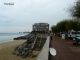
{"x":41,"y":27}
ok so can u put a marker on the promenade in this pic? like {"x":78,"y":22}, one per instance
{"x":65,"y":49}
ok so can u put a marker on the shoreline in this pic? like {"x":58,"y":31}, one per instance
{"x":4,"y":41}
{"x":7,"y":48}
{"x":7,"y":37}
{"x":11,"y":43}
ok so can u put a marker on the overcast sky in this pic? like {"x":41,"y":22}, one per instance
{"x":24,"y":13}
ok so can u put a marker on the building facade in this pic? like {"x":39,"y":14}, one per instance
{"x":41,"y":27}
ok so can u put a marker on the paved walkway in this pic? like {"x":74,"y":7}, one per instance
{"x":65,"y":49}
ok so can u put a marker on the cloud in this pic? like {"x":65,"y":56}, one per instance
{"x":24,"y":13}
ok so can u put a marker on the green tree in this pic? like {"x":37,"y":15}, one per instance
{"x":62,"y":25}
{"x":75,"y":10}
{"x":66,"y":25}
{"x":54,"y":29}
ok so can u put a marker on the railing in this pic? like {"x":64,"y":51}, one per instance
{"x":34,"y":42}
{"x":40,"y":41}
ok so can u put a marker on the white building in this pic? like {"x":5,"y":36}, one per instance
{"x":41,"y":27}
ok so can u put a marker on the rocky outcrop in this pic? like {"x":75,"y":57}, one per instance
{"x":25,"y":49}
{"x":23,"y":37}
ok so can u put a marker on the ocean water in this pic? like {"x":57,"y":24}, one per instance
{"x":6,"y":37}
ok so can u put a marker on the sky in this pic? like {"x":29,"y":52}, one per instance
{"x":24,"y":13}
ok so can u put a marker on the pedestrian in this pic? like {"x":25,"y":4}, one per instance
{"x":50,"y":36}
{"x":66,"y":36}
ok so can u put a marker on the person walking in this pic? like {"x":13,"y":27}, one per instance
{"x":51,"y":36}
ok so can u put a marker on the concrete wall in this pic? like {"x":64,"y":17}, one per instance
{"x":43,"y":55}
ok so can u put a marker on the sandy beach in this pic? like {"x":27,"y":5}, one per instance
{"x":7,"y":48}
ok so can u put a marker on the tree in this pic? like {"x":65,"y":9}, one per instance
{"x":75,"y":10}
{"x":65,"y":25}
{"x":62,"y":25}
{"x":73,"y":24}
{"x":55,"y":29}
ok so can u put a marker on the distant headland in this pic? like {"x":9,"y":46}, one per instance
{"x":25,"y":32}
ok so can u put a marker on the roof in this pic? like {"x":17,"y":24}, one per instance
{"x":41,"y":24}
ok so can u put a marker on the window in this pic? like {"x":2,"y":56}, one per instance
{"x":46,"y":26}
{"x":73,"y":32}
{"x":34,"y":27}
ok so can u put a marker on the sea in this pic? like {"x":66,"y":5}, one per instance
{"x":7,"y":37}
